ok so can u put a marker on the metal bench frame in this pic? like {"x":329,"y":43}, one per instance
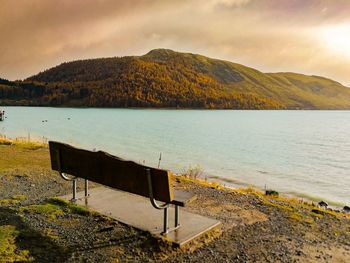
{"x":154,"y":203}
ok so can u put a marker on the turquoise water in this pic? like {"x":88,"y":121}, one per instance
{"x":304,"y":153}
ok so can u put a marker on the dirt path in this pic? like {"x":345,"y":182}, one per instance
{"x":255,"y":228}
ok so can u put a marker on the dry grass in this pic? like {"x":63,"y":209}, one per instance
{"x":23,"y":143}
{"x":18,"y":155}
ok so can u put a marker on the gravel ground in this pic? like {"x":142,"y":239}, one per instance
{"x":255,"y":228}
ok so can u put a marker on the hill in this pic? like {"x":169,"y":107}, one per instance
{"x":165,"y":78}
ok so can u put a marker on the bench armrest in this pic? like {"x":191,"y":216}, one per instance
{"x":182,"y":198}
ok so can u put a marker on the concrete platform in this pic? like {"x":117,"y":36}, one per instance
{"x":138,"y":212}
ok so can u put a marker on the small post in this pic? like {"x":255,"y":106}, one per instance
{"x":74,"y":199}
{"x":165,"y":227}
{"x":86,"y":187}
{"x":160,"y":158}
{"x":177,"y":221}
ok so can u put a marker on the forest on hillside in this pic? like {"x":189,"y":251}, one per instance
{"x":168,"y":79}
{"x":127,"y":82}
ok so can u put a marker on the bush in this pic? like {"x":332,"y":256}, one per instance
{"x":193,"y":172}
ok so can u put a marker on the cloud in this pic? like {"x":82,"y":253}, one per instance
{"x":212,"y":4}
{"x":230,"y":3}
{"x":272,"y":35}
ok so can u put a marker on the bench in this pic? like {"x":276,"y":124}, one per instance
{"x":100,"y":167}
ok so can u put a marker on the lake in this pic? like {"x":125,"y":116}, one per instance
{"x":303,"y":153}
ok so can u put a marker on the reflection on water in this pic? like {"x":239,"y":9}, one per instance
{"x":302,"y":152}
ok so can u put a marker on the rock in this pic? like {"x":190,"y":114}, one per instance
{"x":271,"y":192}
{"x":322,"y":204}
{"x":106,"y":229}
{"x":319,"y":212}
{"x":346,"y":209}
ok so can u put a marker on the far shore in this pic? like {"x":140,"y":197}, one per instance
{"x":177,"y":108}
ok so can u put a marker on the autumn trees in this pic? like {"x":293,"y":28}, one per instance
{"x":129,"y":82}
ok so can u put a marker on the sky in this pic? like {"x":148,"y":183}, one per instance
{"x":304,"y":36}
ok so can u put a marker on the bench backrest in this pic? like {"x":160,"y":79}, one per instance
{"x":109,"y":170}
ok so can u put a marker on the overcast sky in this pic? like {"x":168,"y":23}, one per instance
{"x":306,"y":36}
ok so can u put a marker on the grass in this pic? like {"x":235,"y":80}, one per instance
{"x":50,"y":211}
{"x":19,"y":197}
{"x":194,"y":172}
{"x":18,"y":156}
{"x":8,"y":249}
{"x":301,"y":218}
{"x":320,"y":211}
{"x":205,"y":183}
{"x":284,"y":207}
{"x":248,"y":190}
{"x":72,"y":207}
{"x":55,"y":207}
{"x":23,"y":143}
{"x":8,"y":202}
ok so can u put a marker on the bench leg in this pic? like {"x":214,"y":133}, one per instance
{"x":74,"y":199}
{"x":165,"y":225}
{"x":177,"y":215}
{"x":86,"y":187}
{"x":166,"y":229}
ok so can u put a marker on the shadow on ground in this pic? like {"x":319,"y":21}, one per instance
{"x":41,"y":248}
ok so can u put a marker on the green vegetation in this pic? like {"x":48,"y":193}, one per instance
{"x":72,"y":207}
{"x":55,"y":207}
{"x":8,"y":249}
{"x":51,"y":211}
{"x":19,"y":197}
{"x":8,"y":202}
{"x":164,"y":78}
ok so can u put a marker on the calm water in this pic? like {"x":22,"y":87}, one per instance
{"x":305,"y":153}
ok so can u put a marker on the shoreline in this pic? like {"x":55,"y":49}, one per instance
{"x":225,"y":182}
{"x":249,"y":188}
{"x":254,"y":225}
{"x":171,"y":108}
{"x":303,"y":197}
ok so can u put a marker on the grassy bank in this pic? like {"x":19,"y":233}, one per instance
{"x":23,"y":156}
{"x":34,"y":226}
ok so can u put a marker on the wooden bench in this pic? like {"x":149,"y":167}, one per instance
{"x":100,"y":167}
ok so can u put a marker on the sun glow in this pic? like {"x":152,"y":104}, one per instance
{"x":337,"y":39}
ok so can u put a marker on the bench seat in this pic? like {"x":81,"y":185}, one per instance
{"x":182,"y":198}
{"x":117,"y":173}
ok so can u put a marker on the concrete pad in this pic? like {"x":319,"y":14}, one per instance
{"x":138,"y":212}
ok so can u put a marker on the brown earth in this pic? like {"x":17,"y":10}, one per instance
{"x":255,"y":228}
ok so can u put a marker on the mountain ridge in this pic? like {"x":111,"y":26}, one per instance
{"x":166,"y":78}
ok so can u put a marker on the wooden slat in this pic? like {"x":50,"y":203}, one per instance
{"x":109,"y":170}
{"x":182,"y":198}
